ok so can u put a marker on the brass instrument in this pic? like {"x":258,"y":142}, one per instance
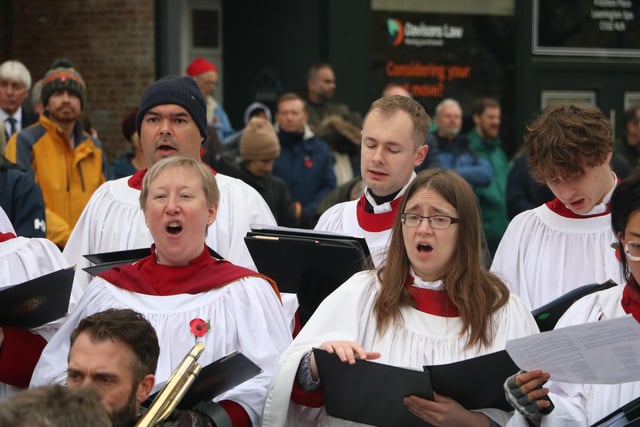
{"x":175,"y":388}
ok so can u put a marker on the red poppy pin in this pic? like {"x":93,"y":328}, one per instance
{"x":308,"y":163}
{"x":199,"y":327}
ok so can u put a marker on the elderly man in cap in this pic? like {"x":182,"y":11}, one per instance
{"x":171,"y":120}
{"x":66,"y":161}
{"x":206,"y":76}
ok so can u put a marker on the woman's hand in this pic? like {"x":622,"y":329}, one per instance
{"x":444,"y":412}
{"x":347,"y":351}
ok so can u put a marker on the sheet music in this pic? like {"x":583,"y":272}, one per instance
{"x":605,"y":352}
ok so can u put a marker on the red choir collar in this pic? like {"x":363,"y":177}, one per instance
{"x":631,"y":298}
{"x":135,"y":181}
{"x":6,"y":236}
{"x":373,"y":222}
{"x":558,"y":207}
{"x":200,"y":275}
{"x":431,"y":301}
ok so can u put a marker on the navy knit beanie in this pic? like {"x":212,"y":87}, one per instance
{"x":182,"y":91}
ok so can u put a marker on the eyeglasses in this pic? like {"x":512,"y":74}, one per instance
{"x":437,"y":222}
{"x":632,"y":250}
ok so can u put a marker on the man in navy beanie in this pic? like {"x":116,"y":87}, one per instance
{"x":171,"y":120}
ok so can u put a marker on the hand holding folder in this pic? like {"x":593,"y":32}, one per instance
{"x":372,"y":393}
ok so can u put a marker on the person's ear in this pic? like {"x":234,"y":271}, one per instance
{"x":144,"y":387}
{"x":421,"y":154}
{"x":212,"y":213}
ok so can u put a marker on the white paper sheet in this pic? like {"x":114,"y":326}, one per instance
{"x":605,"y":352}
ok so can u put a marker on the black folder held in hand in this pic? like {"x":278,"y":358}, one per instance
{"x":372,"y":393}
{"x":626,"y":416}
{"x":475,"y":383}
{"x":37,"y":301}
{"x":309,"y":263}
{"x":216,"y":378}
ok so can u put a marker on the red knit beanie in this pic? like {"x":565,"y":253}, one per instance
{"x":199,"y":66}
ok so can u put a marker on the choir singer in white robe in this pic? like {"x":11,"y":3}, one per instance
{"x":431,"y":302}
{"x":171,"y":120}
{"x":22,"y":259}
{"x":393,"y":135}
{"x":565,"y":243}
{"x":585,"y":404}
{"x":185,"y":293}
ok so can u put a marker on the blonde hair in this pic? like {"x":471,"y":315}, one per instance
{"x":211,"y":192}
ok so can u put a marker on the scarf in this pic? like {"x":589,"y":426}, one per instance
{"x":431,"y":297}
{"x":202,"y":274}
{"x":631,"y":298}
{"x":558,"y":207}
{"x":380,"y":218}
{"x":6,"y":236}
{"x":603,"y":208}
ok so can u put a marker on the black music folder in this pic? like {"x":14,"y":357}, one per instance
{"x":107,"y":260}
{"x":547,"y":315}
{"x":370,"y":392}
{"x":309,"y":263}
{"x":626,"y":416}
{"x":215,"y":378}
{"x":475,"y":383}
{"x":37,"y":301}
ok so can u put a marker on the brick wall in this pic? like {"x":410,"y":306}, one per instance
{"x":111,"y":43}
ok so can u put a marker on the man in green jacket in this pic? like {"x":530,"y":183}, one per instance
{"x":484,"y":140}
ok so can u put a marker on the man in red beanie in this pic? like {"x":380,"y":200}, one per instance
{"x":206,"y":76}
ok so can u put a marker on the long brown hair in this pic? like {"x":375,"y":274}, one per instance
{"x":475,"y":292}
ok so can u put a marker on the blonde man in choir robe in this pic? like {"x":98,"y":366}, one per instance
{"x":393,"y":135}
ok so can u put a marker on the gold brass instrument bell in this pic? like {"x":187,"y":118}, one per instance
{"x":175,"y":388}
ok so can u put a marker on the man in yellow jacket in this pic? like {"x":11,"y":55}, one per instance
{"x":65,"y":161}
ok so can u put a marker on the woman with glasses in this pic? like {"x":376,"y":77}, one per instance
{"x":585,"y":404}
{"x":431,"y":302}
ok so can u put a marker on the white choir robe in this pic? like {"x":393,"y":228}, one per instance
{"x":23,"y":259}
{"x":342,"y":218}
{"x":424,"y":339}
{"x":543,"y":255}
{"x":5,"y":223}
{"x":113,"y":221}
{"x":245,"y":315}
{"x":575,"y":402}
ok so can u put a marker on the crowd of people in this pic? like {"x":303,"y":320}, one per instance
{"x":464,"y":245}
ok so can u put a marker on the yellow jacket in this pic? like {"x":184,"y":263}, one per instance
{"x":67,"y":176}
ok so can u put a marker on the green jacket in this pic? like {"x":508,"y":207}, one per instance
{"x":492,"y":198}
